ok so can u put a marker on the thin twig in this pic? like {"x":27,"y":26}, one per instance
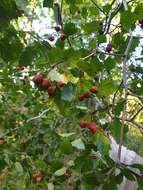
{"x":124,"y":77}
{"x":115,"y":94}
{"x":134,"y":116}
{"x":39,"y":116}
{"x":135,"y":95}
{"x":139,"y":125}
{"x":97,"y":6}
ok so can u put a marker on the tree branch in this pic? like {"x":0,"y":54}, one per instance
{"x":135,"y":95}
{"x":97,"y":6}
{"x":124,"y":78}
{"x":37,"y":117}
{"x":136,"y":113}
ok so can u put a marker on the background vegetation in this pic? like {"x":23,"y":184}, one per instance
{"x":97,"y":51}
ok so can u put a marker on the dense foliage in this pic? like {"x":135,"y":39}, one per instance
{"x":62,"y":94}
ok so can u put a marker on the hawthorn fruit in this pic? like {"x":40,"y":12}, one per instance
{"x":86,"y":95}
{"x":57,"y":28}
{"x":82,"y":123}
{"x":87,"y":124}
{"x":92,"y":127}
{"x":60,"y":84}
{"x":51,"y":38}
{"x":81,"y":97}
{"x":46,"y":83}
{"x":93,"y":89}
{"x":51,"y":90}
{"x":37,"y":176}
{"x":109,"y":48}
{"x":63,"y":36}
{"x":37,"y":79}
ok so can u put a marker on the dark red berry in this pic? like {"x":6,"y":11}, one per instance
{"x":81,"y":97}
{"x":51,"y":38}
{"x":37,"y":176}
{"x":38,"y":79}
{"x":82,"y":123}
{"x":46,"y":83}
{"x":60,"y":84}
{"x":63,"y":36}
{"x":93,"y":89}
{"x":86,"y":95}
{"x":57,"y":28}
{"x":51,"y":90}
{"x":92,"y":127}
{"x":109,"y":48}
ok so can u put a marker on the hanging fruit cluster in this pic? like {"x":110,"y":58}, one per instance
{"x":46,"y":84}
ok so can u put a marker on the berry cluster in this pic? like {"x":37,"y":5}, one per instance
{"x":37,"y":176}
{"x":141,"y":23}
{"x":62,"y":35}
{"x":46,"y":84}
{"x":87,"y":94}
{"x":87,"y":124}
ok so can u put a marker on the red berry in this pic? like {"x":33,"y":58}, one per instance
{"x":51,"y":38}
{"x":93,"y":89}
{"x":38,"y":79}
{"x":81,"y":97}
{"x":86,"y":95}
{"x":57,"y":28}
{"x":92,"y":127}
{"x":109,"y":48}
{"x":51,"y":90}
{"x":46,"y":83}
{"x":82,"y":123}
{"x":60,"y":84}
{"x":63,"y":36}
{"x":37,"y":176}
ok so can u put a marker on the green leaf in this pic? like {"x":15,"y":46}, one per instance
{"x":78,"y":143}
{"x":115,"y":129}
{"x":109,"y":186}
{"x":140,"y":184}
{"x":107,"y":87}
{"x":70,"y":29}
{"x":128,"y":175}
{"x":61,"y":172}
{"x":109,"y":63}
{"x":18,"y":167}
{"x":68,"y":92}
{"x":72,"y":2}
{"x":102,"y":143}
{"x":89,"y":27}
{"x":48,"y":3}
{"x":65,"y":134}
{"x":125,"y":21}
{"x":66,"y":147}
{"x":50,"y":186}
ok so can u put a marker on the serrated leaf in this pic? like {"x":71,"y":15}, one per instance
{"x":65,"y":134}
{"x":61,"y":171}
{"x":48,"y":3}
{"x":107,"y":87}
{"x":68,"y":92}
{"x":66,"y":147}
{"x":18,"y":167}
{"x":78,"y":143}
{"x":70,"y":29}
{"x":50,"y":186}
